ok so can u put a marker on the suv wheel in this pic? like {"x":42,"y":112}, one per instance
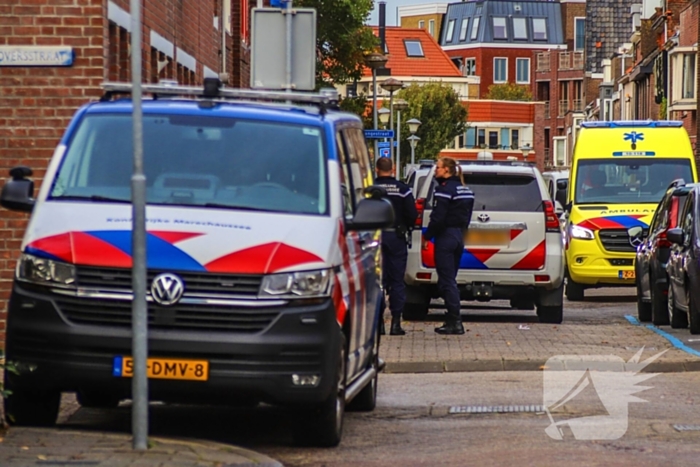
{"x":324,"y":427}
{"x":693,"y":313}
{"x":417,"y":304}
{"x":643,"y":308}
{"x":550,"y":314}
{"x":26,"y":407}
{"x":659,"y":303}
{"x":522,"y":303}
{"x":574,"y":291}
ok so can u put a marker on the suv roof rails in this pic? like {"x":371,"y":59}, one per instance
{"x":213,"y":90}
{"x":492,"y":162}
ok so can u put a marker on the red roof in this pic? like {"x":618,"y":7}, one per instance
{"x":435,"y":62}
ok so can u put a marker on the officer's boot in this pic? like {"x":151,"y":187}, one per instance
{"x":382,"y":330}
{"x":396,"y":327}
{"x":452,"y":326}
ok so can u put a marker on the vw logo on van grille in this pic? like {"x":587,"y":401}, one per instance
{"x":483,"y":217}
{"x":167,"y":289}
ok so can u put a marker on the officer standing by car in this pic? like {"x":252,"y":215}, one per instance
{"x":395,"y":242}
{"x":452,"y":212}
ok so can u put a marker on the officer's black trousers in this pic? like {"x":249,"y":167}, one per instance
{"x":449,"y":246}
{"x":394,"y":256}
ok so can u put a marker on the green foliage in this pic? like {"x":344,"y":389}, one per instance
{"x":442,"y":116}
{"x":358,"y":105}
{"x":342,"y":39}
{"x":12,"y":367}
{"x":663,"y":108}
{"x":509,"y":92}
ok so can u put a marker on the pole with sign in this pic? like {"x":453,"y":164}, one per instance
{"x":139,"y":310}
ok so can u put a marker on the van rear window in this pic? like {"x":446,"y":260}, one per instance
{"x":504,"y":192}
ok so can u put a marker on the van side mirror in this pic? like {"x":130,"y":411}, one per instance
{"x":567,"y":207}
{"x":372,"y":214}
{"x":17,"y":194}
{"x":675,"y":236}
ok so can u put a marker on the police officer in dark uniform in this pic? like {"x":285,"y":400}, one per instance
{"x":394,"y":242}
{"x":452,"y":212}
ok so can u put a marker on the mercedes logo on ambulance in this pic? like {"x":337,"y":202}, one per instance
{"x":167,"y":289}
{"x":635,"y":235}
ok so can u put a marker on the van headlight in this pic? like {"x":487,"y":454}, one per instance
{"x":582,"y":233}
{"x":45,"y":271}
{"x":302,"y":284}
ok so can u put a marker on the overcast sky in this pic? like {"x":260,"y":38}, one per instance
{"x":392,"y":5}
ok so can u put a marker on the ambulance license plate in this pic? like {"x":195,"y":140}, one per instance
{"x":626,"y":274}
{"x":164,"y":368}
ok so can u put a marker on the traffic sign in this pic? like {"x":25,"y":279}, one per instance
{"x":384,"y":152}
{"x":384,"y":144}
{"x":375,"y":134}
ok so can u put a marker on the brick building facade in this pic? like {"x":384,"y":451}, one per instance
{"x":181,"y":40}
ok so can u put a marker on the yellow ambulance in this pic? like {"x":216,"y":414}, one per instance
{"x":619,"y":172}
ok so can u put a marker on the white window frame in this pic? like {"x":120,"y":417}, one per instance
{"x":450,"y":33}
{"x":692,"y":79}
{"x":466,"y":60}
{"x":505,"y":27}
{"x":431,"y":27}
{"x":226,"y":11}
{"x":475,"y":28}
{"x":579,"y":47}
{"x":535,"y":31}
{"x":463,"y":29}
{"x":505,"y":80}
{"x":555,"y":153}
{"x":517,"y":70}
{"x":421,"y":24}
{"x":523,"y":21}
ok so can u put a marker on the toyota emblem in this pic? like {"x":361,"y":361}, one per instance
{"x":167,"y":289}
{"x":483,"y":217}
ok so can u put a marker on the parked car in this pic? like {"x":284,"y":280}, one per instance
{"x":653,"y":252}
{"x":684,"y":266}
{"x":513,"y":247}
{"x":263,"y":284}
{"x":557,"y":185}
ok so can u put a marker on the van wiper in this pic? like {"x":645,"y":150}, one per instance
{"x":240,"y":208}
{"x":90,"y":198}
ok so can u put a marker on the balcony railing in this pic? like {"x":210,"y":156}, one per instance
{"x":547,"y":160}
{"x":577,"y":105}
{"x":563,"y":108}
{"x":546,"y":109}
{"x":543,"y":61}
{"x":578,"y":61}
{"x":564,"y":61}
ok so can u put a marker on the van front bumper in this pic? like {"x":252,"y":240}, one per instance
{"x":301,"y":340}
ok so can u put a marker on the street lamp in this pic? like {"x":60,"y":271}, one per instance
{"x":526,"y":151}
{"x":399,"y":105}
{"x":391,"y":85}
{"x":413,"y":141}
{"x":374,"y":61}
{"x":384,"y":115}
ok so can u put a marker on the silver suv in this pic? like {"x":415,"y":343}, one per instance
{"x":513,"y":247}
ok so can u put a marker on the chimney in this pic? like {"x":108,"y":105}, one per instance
{"x":382,"y":26}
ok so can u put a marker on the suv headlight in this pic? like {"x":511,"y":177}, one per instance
{"x":303,"y":284}
{"x":582,"y":233}
{"x":45,"y":271}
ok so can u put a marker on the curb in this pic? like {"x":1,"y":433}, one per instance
{"x":516,"y":365}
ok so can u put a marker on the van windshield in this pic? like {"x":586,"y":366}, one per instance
{"x":192,"y":160}
{"x":627,"y":181}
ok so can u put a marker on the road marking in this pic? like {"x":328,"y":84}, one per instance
{"x":676,"y":342}
{"x":458,"y":409}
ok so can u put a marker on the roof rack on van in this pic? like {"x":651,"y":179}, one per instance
{"x":633,"y":123}
{"x":492,"y":162}
{"x":214,"y":90}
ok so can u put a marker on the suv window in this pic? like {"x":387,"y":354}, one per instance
{"x":504,"y":192}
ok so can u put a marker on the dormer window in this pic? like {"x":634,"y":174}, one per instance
{"x":499,"y":28}
{"x":520,"y":28}
{"x":463,"y":29}
{"x":539,"y":29}
{"x":475,"y":28}
{"x":450,"y":30}
{"x":413,"y":48}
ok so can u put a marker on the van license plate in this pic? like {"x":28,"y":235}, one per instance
{"x":164,"y":368}
{"x":484,"y":237}
{"x":626,"y":274}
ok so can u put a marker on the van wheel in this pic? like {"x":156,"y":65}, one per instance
{"x":693,"y":313}
{"x":366,"y":399}
{"x":94,"y":399}
{"x":551,"y":314}
{"x":574,"y":291}
{"x":324,"y":426}
{"x":417,"y":304}
{"x":31,"y":407}
{"x":659,"y":304}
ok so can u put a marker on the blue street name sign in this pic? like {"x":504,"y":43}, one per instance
{"x":384,"y":152}
{"x":383,"y":144}
{"x":374,"y":134}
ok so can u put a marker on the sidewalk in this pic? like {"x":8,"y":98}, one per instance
{"x":23,"y":447}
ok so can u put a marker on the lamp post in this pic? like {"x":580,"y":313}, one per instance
{"x":526,"y":151}
{"x":399,"y":105}
{"x":413,"y":141}
{"x":391,"y":85}
{"x":384,"y":119}
{"x":375,"y":61}
{"x":413,"y":125}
